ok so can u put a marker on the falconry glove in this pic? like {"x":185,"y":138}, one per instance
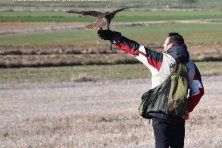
{"x":113,"y":36}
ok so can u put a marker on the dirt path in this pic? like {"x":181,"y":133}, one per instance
{"x":15,"y":28}
{"x":96,"y":114}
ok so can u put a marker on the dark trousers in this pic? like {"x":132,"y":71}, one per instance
{"x":169,"y":133}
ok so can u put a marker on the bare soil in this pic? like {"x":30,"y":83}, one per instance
{"x":97,"y":114}
{"x":23,"y":27}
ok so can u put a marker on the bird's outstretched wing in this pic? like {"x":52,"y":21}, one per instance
{"x":113,"y":13}
{"x":118,"y":10}
{"x":90,"y":13}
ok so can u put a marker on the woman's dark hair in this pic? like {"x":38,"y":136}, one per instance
{"x":175,"y":38}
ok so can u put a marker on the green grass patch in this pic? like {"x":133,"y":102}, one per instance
{"x":125,"y":16}
{"x":166,"y":15}
{"x":193,"y":33}
{"x":43,"y":17}
{"x":59,"y":74}
{"x":92,"y":72}
{"x":76,"y":37}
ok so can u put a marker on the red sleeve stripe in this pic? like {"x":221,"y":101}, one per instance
{"x":127,"y":49}
{"x":156,"y":64}
{"x":152,"y":62}
{"x":194,"y":100}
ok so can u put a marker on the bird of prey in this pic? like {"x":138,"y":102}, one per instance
{"x":103,"y":19}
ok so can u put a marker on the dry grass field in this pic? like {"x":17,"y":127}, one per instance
{"x":96,"y":114}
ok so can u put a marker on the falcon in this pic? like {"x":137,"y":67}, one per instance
{"x":103,"y":19}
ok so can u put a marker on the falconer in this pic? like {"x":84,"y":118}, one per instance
{"x":169,"y":130}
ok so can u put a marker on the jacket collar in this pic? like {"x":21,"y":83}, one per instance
{"x":179,"y":53}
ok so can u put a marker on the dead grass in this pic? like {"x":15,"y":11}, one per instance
{"x":96,"y":114}
{"x":82,"y":78}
